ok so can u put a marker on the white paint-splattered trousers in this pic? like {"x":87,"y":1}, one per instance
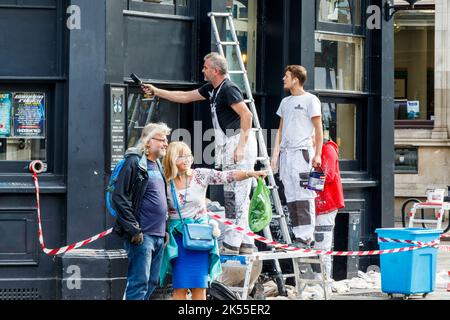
{"x":237,"y":194}
{"x":323,"y":235}
{"x":300,"y":201}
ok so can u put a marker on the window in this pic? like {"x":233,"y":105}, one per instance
{"x":339,"y":124}
{"x":245,"y":22}
{"x":406,"y":160}
{"x":340,"y":11}
{"x":23,"y":116}
{"x":343,"y":16}
{"x":143,"y":111}
{"x":166,"y":2}
{"x":172,"y":7}
{"x":339,"y":62}
{"x":414,"y":68}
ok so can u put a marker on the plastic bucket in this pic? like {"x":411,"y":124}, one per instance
{"x":408,"y":272}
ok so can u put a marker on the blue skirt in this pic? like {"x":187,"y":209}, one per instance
{"x":190,"y":268}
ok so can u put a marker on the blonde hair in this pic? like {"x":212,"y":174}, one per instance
{"x":174,"y":150}
{"x":150,"y":131}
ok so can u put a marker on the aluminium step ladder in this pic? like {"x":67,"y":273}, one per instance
{"x":441,"y":207}
{"x":263,"y":157}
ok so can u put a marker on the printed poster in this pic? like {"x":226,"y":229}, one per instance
{"x":413,"y":109}
{"x":29,"y":115}
{"x":5,"y":114}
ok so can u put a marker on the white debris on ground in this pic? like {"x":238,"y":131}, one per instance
{"x":442,"y":279}
{"x":365,"y":281}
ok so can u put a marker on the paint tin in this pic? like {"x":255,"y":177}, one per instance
{"x":316,"y":180}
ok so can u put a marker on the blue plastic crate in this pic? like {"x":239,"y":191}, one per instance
{"x":408,"y":272}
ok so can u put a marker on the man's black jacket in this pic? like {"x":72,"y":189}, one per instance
{"x":128,"y":194}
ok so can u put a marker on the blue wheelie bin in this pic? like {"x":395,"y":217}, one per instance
{"x":408,"y":272}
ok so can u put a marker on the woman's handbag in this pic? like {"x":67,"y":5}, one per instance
{"x":196,"y":236}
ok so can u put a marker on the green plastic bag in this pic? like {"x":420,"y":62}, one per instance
{"x":260,"y":212}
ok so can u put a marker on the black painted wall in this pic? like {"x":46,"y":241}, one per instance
{"x":76,"y":66}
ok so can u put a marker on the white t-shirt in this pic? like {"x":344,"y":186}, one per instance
{"x":296,"y":112}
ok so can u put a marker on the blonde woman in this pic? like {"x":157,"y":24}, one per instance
{"x":191,"y":269}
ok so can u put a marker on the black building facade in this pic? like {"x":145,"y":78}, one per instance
{"x":68,"y":64}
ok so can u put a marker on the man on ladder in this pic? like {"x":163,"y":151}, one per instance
{"x":235,"y":142}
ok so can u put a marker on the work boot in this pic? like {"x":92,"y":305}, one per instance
{"x":302,"y":244}
{"x":247,"y":249}
{"x":227,"y":250}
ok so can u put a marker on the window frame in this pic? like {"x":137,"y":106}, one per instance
{"x":157,"y":8}
{"x":414,"y":170}
{"x":363,"y":63}
{"x":401,"y":73}
{"x":185,"y":112}
{"x":13,"y":167}
{"x":360,"y":135}
{"x":339,"y":27}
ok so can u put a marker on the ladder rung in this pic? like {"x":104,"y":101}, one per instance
{"x":229,"y":43}
{"x":278,"y":213}
{"x":424,"y":221}
{"x":219,"y":14}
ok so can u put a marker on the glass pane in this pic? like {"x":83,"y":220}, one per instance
{"x":414,"y":65}
{"x":245,"y":23}
{"x":160,"y":1}
{"x":144,"y":111}
{"x":339,"y":125}
{"x":22,"y":149}
{"x":340,"y":11}
{"x":339,"y":62}
{"x":23,"y":126}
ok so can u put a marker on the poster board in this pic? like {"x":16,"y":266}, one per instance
{"x":28,"y":115}
{"x":117,"y":109}
{"x":5,"y":114}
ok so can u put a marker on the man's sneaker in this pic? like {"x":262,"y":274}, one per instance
{"x":227,"y":250}
{"x":302,"y":244}
{"x":247,"y":249}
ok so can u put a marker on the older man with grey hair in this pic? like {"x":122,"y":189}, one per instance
{"x":141,"y":203}
{"x":235,"y":142}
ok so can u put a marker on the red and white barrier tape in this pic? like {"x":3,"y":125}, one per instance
{"x":228,"y":223}
{"x":54,"y":252}
{"x":419,"y":243}
{"x":318,"y":252}
{"x":445,"y":236}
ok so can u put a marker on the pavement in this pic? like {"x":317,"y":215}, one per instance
{"x":440,"y":293}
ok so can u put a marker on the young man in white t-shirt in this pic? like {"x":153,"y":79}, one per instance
{"x":301,"y":118}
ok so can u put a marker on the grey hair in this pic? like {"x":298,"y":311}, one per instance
{"x":151,"y":130}
{"x":218,"y":62}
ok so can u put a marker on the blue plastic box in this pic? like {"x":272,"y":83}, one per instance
{"x":408,"y":272}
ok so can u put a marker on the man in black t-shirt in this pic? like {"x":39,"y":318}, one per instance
{"x":235,"y":143}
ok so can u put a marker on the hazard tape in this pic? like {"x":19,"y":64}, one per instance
{"x":445,"y":236}
{"x":54,"y":252}
{"x":34,"y":169}
{"x":381,"y":239}
{"x":278,"y":245}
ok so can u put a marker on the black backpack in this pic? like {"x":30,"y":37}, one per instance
{"x":218,"y":291}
